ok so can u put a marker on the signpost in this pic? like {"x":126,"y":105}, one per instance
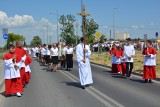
{"x":156,"y":35}
{"x":98,"y":36}
{"x":5,"y":35}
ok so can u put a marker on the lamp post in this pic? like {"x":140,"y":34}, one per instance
{"x":57,"y":24}
{"x":114,"y":36}
{"x":47,"y":32}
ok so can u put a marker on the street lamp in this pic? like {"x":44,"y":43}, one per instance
{"x":114,"y":36}
{"x":47,"y":32}
{"x":57,"y":24}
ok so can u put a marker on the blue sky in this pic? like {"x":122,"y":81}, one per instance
{"x":30,"y":17}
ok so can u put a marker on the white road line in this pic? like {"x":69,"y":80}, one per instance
{"x":89,"y":90}
{"x":93,"y":94}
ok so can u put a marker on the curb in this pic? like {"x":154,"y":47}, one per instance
{"x":134,"y":73}
{"x":1,"y":85}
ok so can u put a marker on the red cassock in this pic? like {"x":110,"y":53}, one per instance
{"x":27,"y":62}
{"x":149,"y":71}
{"x":118,"y":55}
{"x":12,"y":85}
{"x":116,"y":67}
{"x":21,"y":52}
{"x":112,"y":51}
{"x":123,"y":63}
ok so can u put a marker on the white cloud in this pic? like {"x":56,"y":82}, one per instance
{"x":138,"y":26}
{"x":15,"y":21}
{"x":151,"y":24}
{"x":27,"y":26}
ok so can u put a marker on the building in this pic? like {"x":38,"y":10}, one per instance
{"x":122,"y":36}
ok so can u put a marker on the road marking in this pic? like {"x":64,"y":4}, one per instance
{"x":101,"y":96}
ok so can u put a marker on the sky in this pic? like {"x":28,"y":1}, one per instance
{"x":31,"y":17}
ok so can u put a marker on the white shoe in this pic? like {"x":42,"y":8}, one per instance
{"x":18,"y":94}
{"x":119,"y":73}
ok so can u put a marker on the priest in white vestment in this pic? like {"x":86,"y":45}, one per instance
{"x":85,"y":73}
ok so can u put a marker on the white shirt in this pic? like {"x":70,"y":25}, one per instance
{"x":69,"y":51}
{"x":129,"y":51}
{"x":43,"y":51}
{"x":54,"y":51}
{"x":48,"y":52}
{"x":36,"y":49}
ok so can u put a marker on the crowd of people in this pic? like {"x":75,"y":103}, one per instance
{"x":123,"y":60}
{"x":17,"y":72}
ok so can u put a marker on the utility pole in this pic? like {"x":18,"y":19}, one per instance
{"x":84,"y":15}
{"x":47,"y":34}
{"x":57,"y":24}
{"x":114,"y":36}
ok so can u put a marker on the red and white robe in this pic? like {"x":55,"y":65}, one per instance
{"x":116,"y":61}
{"x":149,"y":71}
{"x":13,"y":82}
{"x":123,"y":63}
{"x":27,"y":68}
{"x":22,"y":53}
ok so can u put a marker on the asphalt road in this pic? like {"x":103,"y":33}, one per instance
{"x":62,"y":89}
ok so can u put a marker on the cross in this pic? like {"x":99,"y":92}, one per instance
{"x":84,"y":15}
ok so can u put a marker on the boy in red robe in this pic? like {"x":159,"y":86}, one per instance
{"x":115,"y":55}
{"x":27,"y":69}
{"x":22,"y":53}
{"x":13,"y":83}
{"x":149,"y":55}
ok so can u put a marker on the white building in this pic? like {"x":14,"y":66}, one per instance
{"x":122,"y":36}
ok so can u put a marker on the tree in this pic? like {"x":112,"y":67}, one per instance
{"x":36,"y":40}
{"x":12,"y":38}
{"x":25,"y":44}
{"x":102,"y":38}
{"x":92,"y":26}
{"x":67,"y":33}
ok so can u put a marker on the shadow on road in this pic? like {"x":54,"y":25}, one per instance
{"x":107,"y":71}
{"x":74,"y":84}
{"x":137,"y":80}
{"x":3,"y":94}
{"x":119,"y":76}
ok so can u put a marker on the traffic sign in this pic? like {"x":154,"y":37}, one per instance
{"x":5,"y":36}
{"x":156,"y":34}
{"x":98,"y":35}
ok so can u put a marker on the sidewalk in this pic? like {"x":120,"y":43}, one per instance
{"x":1,"y":83}
{"x":1,"y":74}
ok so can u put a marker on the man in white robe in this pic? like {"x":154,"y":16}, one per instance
{"x":85,"y":73}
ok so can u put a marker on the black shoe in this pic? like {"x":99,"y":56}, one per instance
{"x":146,"y":81}
{"x":83,"y":87}
{"x":150,"y":81}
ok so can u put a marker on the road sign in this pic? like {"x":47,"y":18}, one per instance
{"x":5,"y":36}
{"x":97,"y":35}
{"x":4,"y":30}
{"x":156,"y":34}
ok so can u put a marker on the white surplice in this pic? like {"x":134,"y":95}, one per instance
{"x":85,"y":73}
{"x":9,"y":70}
